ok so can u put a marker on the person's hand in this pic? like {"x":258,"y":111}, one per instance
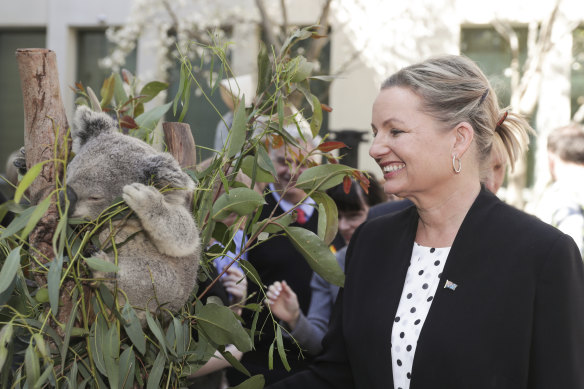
{"x":235,"y":283}
{"x":283,"y":302}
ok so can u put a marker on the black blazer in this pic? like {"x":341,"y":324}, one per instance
{"x":516,"y":319}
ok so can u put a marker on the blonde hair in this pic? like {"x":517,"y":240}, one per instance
{"x":454,"y":90}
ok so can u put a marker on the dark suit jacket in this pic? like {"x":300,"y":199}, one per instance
{"x":516,"y":319}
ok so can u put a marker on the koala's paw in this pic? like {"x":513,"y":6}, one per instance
{"x":20,"y":162}
{"x":99,"y":275}
{"x":140,"y":197}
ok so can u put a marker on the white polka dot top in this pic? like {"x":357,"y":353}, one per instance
{"x":420,"y":286}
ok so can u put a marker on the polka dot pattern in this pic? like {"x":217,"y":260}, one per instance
{"x":420,"y":287}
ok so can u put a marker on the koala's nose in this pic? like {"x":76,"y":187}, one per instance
{"x":71,"y":196}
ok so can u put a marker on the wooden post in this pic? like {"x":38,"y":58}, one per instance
{"x":45,"y":139}
{"x":181,"y":144}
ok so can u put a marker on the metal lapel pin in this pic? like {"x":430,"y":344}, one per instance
{"x":450,"y":285}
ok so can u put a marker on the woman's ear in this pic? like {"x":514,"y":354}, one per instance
{"x":464,"y":135}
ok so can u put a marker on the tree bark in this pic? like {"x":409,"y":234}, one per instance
{"x":181,"y":144}
{"x":45,"y":139}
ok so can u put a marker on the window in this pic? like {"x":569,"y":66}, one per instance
{"x":92,"y":45}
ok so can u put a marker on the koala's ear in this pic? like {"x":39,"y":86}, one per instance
{"x":163,"y":170}
{"x":87,"y":124}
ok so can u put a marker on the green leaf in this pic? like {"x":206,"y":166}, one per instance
{"x":302,"y":34}
{"x":329,"y":225}
{"x":255,"y":382}
{"x":300,"y":68}
{"x":133,"y":328}
{"x":316,"y":120}
{"x":37,"y":214}
{"x":222,"y":327}
{"x":242,"y":201}
{"x":107,"y":91}
{"x":44,"y":377}
{"x":127,"y":367}
{"x":111,"y":356}
{"x":272,"y":226}
{"x":68,"y":331}
{"x":261,"y":175}
{"x":281,"y":115}
{"x":265,"y":161}
{"x":32,"y":366}
{"x":251,"y":273}
{"x":238,"y":129}
{"x":156,"y":372}
{"x":157,"y":331}
{"x":152,"y":89}
{"x":97,"y":336}
{"x":149,"y":120}
{"x":72,"y":377}
{"x":119,"y":92}
{"x":264,"y":70}
{"x":27,"y":180}
{"x":18,"y":223}
{"x":102,"y":265}
{"x":8,"y":272}
{"x":317,"y":254}
{"x":322,"y":177}
{"x":281,"y":350}
{"x":54,"y":283}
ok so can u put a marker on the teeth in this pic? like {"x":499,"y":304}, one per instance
{"x":393,"y":168}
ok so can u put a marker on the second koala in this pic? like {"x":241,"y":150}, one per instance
{"x":158,"y":250}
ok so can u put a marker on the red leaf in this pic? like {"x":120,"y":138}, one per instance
{"x":330,"y":146}
{"x":127,"y":76}
{"x":332,"y":160}
{"x":128,"y":122}
{"x":347,"y":184}
{"x":327,"y":108}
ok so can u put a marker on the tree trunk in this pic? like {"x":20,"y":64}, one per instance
{"x":45,"y":139}
{"x":181,"y":144}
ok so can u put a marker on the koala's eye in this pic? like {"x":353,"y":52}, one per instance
{"x":94,"y":198}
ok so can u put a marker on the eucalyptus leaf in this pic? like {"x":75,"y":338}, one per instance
{"x":317,"y":254}
{"x":9,"y":269}
{"x":102,"y":265}
{"x":111,"y":356}
{"x":264,"y":70}
{"x":156,"y":372}
{"x":54,"y":282}
{"x":152,"y":89}
{"x":120,"y":94}
{"x":127,"y":368}
{"x":261,"y":175}
{"x":221,"y":326}
{"x":148,"y":120}
{"x":238,"y":129}
{"x":68,"y":333}
{"x":242,"y":201}
{"x":322,"y":177}
{"x":329,"y":225}
{"x":37,"y":214}
{"x":18,"y":223}
{"x":97,"y":336}
{"x":157,"y":331}
{"x":47,"y":373}
{"x":301,"y":69}
{"x":281,"y":350}
{"x":316,"y":119}
{"x":27,"y":180}
{"x":107,"y":91}
{"x":265,"y":161}
{"x":133,"y":328}
{"x":32,"y":366}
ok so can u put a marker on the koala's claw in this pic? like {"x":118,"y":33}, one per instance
{"x":138,"y":195}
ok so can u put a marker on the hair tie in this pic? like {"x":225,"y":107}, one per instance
{"x":502,"y":118}
{"x":484,"y":96}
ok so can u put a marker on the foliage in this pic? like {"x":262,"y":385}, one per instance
{"x":103,"y":344}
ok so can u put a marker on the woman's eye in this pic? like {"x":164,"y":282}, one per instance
{"x":394,"y":131}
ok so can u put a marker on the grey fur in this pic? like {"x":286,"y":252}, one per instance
{"x":158,"y":266}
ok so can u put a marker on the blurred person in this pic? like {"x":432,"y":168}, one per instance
{"x":308,"y":330}
{"x":562,"y":203}
{"x":276,"y":258}
{"x":461,"y":290}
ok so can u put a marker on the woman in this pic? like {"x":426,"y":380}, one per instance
{"x":483,"y":295}
{"x":309,"y":330}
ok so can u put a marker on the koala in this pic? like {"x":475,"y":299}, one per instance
{"x":158,"y":246}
